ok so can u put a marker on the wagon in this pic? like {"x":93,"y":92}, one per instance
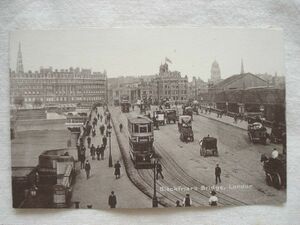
{"x":208,"y":146}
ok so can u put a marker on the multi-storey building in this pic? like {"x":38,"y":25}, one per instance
{"x":48,"y":87}
{"x":171,"y":85}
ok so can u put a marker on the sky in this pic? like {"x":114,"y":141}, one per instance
{"x":140,"y":51}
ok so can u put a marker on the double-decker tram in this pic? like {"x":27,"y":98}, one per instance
{"x":141,"y":141}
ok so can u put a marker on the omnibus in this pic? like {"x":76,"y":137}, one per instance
{"x":141,"y":141}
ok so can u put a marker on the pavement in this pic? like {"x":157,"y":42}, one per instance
{"x":95,"y":190}
{"x":242,"y":124}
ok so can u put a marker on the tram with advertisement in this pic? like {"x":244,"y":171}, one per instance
{"x":141,"y":141}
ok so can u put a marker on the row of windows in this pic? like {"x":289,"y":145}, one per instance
{"x":57,"y":76}
{"x":174,"y":92}
{"x":63,"y":99}
{"x":48,"y":81}
{"x":175,"y":97}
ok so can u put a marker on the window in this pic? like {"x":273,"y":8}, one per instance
{"x":136,"y":128}
{"x":143,"y":129}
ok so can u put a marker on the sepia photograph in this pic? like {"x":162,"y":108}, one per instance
{"x":147,"y":117}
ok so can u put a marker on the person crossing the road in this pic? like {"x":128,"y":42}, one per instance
{"x":178,"y":203}
{"x":121,"y":127}
{"x":159,"y":170}
{"x":213,"y":200}
{"x":218,"y":174}
{"x":112,"y":200}
{"x":187,"y":201}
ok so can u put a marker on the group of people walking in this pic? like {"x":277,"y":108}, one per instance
{"x":187,"y":200}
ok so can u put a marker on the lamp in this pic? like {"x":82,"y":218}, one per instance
{"x":109,"y":136}
{"x":154,"y":199}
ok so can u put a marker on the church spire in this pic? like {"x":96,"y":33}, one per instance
{"x":242,"y":66}
{"x":19,"y":68}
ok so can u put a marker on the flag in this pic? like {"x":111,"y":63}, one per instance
{"x":168,"y":60}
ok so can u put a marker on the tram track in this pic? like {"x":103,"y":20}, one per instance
{"x":190,"y":181}
{"x":176,"y":176}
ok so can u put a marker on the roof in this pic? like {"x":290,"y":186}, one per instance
{"x":232,"y":79}
{"x":139,"y":119}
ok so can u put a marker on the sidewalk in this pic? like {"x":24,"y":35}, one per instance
{"x":97,"y":188}
{"x":242,"y":124}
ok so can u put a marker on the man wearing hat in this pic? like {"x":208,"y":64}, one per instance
{"x":187,"y":201}
{"x":213,"y":200}
{"x":112,"y":200}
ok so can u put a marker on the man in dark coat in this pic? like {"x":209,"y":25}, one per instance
{"x":87,"y":168}
{"x":112,"y":200}
{"x":187,"y":201}
{"x":218,"y":174}
{"x":102,"y":128}
{"x":102,"y":149}
{"x":104,"y":141}
{"x":82,"y":158}
{"x":93,"y":151}
{"x":98,"y":152}
{"x":117,"y":169}
{"x":159,"y":170}
{"x":89,"y":141}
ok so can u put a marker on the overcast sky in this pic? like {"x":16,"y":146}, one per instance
{"x":124,"y":52}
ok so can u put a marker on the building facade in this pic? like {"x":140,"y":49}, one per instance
{"x":171,"y":85}
{"x":52,"y":87}
{"x":47,"y":87}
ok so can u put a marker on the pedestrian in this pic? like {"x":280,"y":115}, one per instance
{"x":87,"y":168}
{"x":112,"y":200}
{"x":98,"y":116}
{"x":121,"y":127}
{"x":89,"y":141}
{"x":159,"y":170}
{"x":218,"y":174}
{"x":94,"y":132}
{"x":101,"y":117}
{"x":187,"y":201}
{"x":156,"y":122}
{"x":102,"y":128}
{"x":98,"y":151}
{"x":102,"y":149}
{"x":117,"y":169}
{"x":104,"y":141}
{"x":82,"y":158}
{"x":178,"y":203}
{"x":213,"y":200}
{"x":235,"y":118}
{"x":93,"y":151}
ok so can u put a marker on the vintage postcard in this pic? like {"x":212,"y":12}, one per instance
{"x":147,"y":117}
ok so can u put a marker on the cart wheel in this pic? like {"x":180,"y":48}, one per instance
{"x":277,"y":182}
{"x":269,"y":179}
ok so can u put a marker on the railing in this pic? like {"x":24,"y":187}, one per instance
{"x":233,"y":114}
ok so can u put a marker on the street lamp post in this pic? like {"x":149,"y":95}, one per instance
{"x":154,"y":199}
{"x":109,"y":136}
